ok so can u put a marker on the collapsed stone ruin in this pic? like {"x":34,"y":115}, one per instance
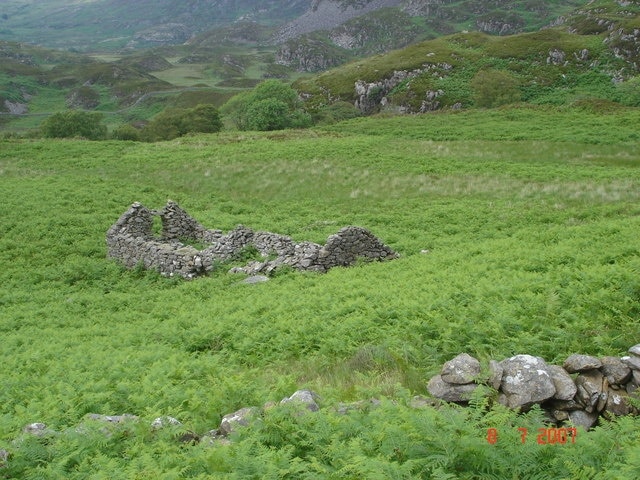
{"x":131,"y":241}
{"x":580,"y":391}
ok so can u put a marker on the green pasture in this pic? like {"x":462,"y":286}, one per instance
{"x":530,"y":218}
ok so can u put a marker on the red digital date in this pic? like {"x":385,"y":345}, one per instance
{"x":546,"y":436}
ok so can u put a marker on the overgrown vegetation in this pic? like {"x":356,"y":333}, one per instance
{"x":530,"y":216}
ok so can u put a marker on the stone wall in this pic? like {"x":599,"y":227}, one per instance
{"x":580,"y":391}
{"x":131,"y":241}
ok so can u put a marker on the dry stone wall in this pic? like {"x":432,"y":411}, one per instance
{"x":132,"y":242}
{"x":580,"y":391}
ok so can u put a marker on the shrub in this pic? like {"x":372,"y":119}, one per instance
{"x":336,"y":112}
{"x":74,"y":124}
{"x":630,"y":92}
{"x":126,"y":132}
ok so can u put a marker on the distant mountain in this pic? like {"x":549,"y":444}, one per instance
{"x":116,"y":24}
{"x":377,"y":55}
{"x":110,"y":25}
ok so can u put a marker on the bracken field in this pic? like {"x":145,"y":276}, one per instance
{"x":517,"y":230}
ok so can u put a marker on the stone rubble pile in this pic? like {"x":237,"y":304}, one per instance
{"x":131,"y":241}
{"x":306,"y":400}
{"x":580,"y":391}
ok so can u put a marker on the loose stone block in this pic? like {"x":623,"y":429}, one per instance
{"x":461,"y":369}
{"x":526,"y":380}
{"x":450,"y":392}
{"x":581,"y":363}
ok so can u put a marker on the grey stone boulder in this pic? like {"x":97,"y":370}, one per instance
{"x":305,"y":397}
{"x":635,"y":350}
{"x":580,"y":418}
{"x":495,"y":374}
{"x":525,"y":381}
{"x":112,"y":418}
{"x":565,"y":405}
{"x":162,"y":422}
{"x":461,"y":370}
{"x":450,"y":392}
{"x":618,"y":404}
{"x":631,"y":361}
{"x":591,"y":390}
{"x":233,"y":421}
{"x":37,"y":429}
{"x":615,"y":371}
{"x":634,"y":382}
{"x":565,"y":387}
{"x":581,"y":363}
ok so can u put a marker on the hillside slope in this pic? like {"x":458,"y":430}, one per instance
{"x":592,"y":54}
{"x":108,"y":25}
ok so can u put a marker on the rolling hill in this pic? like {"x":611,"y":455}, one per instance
{"x":589,"y":54}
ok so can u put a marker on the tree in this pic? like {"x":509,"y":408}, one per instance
{"x":267,"y":114}
{"x":74,"y":124}
{"x":272,"y":105}
{"x":493,"y":88}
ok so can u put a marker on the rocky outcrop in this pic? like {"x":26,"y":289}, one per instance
{"x":500,"y":24}
{"x":625,"y":44}
{"x":371,"y":96}
{"x":328,"y":14}
{"x":132,"y":242}
{"x":581,"y":391}
{"x":15,"y":108}
{"x":84,"y":97}
{"x":309,"y":55}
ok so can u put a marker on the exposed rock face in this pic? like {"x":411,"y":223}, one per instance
{"x":371,"y":96}
{"x":84,"y":97}
{"x":598,"y":387}
{"x":131,"y":241}
{"x":328,"y":14}
{"x":500,"y":23}
{"x":16,"y":108}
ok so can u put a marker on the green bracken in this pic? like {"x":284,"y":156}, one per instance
{"x":530,"y":217}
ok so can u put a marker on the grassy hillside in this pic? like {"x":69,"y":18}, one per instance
{"x":591,"y":56}
{"x":553,"y":66}
{"x":530,"y":217}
